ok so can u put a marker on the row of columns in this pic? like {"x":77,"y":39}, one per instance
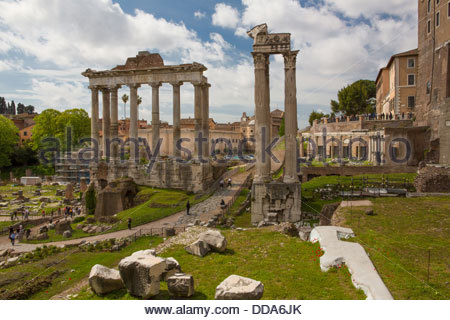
{"x":263,"y":120}
{"x":110,"y":123}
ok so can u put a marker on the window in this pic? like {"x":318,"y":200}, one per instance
{"x":428,"y":87}
{"x":411,"y":79}
{"x":411,"y":102}
{"x":429,"y":6}
{"x":24,"y":133}
{"x":411,"y":63}
{"x":438,"y":19}
{"x":448,"y":9}
{"x":437,"y":2}
{"x":429,"y":26}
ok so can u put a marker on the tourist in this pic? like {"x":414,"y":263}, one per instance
{"x":12,"y":237}
{"x":222,"y":204}
{"x":221,"y":183}
{"x":27,"y":233}
{"x":59,"y":211}
{"x":43,"y":213}
{"x":15,"y":215}
{"x":188,"y":206}
{"x":129,"y":223}
{"x":229,"y":183}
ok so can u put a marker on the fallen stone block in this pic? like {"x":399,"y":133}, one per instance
{"x":198,"y":248}
{"x":141,"y":274}
{"x":104,"y":280}
{"x":181,"y":285}
{"x":239,"y":288}
{"x":67,"y":234}
{"x":215,"y":240}
{"x":172,"y":267}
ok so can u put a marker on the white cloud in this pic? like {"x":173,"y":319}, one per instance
{"x":225,"y":16}
{"x":199,"y":14}
{"x":357,"y":8}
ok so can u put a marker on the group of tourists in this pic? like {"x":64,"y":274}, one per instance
{"x":18,"y":234}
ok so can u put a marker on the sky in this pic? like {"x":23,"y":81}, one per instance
{"x":46,"y":44}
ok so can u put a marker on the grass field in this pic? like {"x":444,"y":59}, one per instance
{"x":73,"y":266}
{"x":288,"y":268}
{"x":399,"y":238}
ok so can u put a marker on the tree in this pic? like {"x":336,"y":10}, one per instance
{"x":46,"y":126}
{"x":3,"y":106}
{"x":29,"y":109}
{"x":125,"y":100}
{"x":316,"y":116}
{"x":281,"y":130}
{"x":13,"y":108}
{"x":9,"y":137}
{"x":139,"y":101}
{"x":24,"y":156}
{"x":357,"y":98}
{"x":20,"y":108}
{"x":79,"y":122}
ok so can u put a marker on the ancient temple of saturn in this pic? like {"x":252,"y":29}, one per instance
{"x":148,"y":69}
{"x":274,"y":201}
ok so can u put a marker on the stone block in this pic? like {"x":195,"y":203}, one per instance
{"x":215,"y":240}
{"x":104,"y":280}
{"x":239,"y":288}
{"x":199,"y":248}
{"x":181,"y":285}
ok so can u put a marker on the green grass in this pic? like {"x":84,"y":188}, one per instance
{"x":167,"y":202}
{"x":398,"y":238}
{"x":53,"y":237}
{"x":244,"y":220}
{"x":288,"y":268}
{"x":74,"y":265}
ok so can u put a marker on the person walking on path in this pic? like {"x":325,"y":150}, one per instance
{"x":129,"y":223}
{"x":188,"y":206}
{"x":229,"y":183}
{"x":221,"y":183}
{"x":12,"y":237}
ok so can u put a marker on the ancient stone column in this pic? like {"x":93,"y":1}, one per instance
{"x":155,"y":114}
{"x":262,"y":122}
{"x":115,"y":121}
{"x":205,"y":119}
{"x":94,"y":115}
{"x":106,"y":121}
{"x":290,"y":117}
{"x":197,"y":115}
{"x":134,"y":121}
{"x":176,"y":117}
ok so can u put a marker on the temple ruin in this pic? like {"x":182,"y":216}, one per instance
{"x":274,"y":201}
{"x":167,"y":172}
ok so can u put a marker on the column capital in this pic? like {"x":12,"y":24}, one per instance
{"x":105,"y":89}
{"x":197,"y":83}
{"x":155,"y":84}
{"x":133,"y":85}
{"x":290,"y":59}
{"x":96,"y":88}
{"x":176,"y":83}
{"x":261,"y":60}
{"x":115,"y":87}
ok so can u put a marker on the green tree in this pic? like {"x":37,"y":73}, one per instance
{"x":79,"y":122}
{"x":357,"y":98}
{"x":316,"y":116}
{"x":24,"y":155}
{"x":46,"y":126}
{"x":9,"y":137}
{"x":281,"y":130}
{"x":125,"y":100}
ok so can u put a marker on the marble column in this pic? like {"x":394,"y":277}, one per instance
{"x":115,"y":121}
{"x":197,"y":115}
{"x":290,"y":116}
{"x":262,"y":122}
{"x":155,"y":114}
{"x":94,"y":117}
{"x":176,"y":118}
{"x":106,"y":120}
{"x":134,"y":154}
{"x":205,"y":119}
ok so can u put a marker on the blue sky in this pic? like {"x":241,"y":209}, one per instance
{"x":46,"y":44}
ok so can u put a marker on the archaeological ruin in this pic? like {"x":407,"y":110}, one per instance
{"x":168,"y":171}
{"x":274,"y":201}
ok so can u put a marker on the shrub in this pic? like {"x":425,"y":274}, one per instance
{"x":78,"y":219}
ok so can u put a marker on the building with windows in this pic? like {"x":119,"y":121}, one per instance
{"x":397,"y":84}
{"x":433,"y":83}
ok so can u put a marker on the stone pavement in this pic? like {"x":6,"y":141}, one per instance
{"x":203,"y":211}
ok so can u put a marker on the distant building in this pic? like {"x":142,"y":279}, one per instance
{"x":397,"y":84}
{"x":433,"y":85}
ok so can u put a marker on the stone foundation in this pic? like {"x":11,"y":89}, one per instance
{"x":433,"y":179}
{"x":117,"y":196}
{"x":276,"y":202}
{"x":167,"y":174}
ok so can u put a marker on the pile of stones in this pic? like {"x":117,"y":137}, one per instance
{"x":141,"y":274}
{"x":207,"y":241}
{"x":91,"y":228}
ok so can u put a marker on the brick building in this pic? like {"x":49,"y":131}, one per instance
{"x":433,"y":83}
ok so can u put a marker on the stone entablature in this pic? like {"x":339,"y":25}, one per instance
{"x":360,"y":124}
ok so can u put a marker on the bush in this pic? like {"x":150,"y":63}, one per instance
{"x":78,"y":219}
{"x":91,"y":200}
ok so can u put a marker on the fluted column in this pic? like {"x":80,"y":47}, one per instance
{"x":155,"y":114}
{"x":106,"y":119}
{"x":290,"y":117}
{"x":94,"y":117}
{"x":262,"y":129}
{"x":197,"y":115}
{"x":176,"y":118}
{"x":134,"y":120}
{"x":205,"y":119}
{"x":115,"y":120}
